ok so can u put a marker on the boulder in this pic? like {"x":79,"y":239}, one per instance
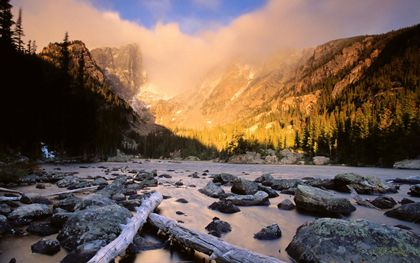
{"x":213,"y":190}
{"x":47,"y":247}
{"x":336,"y":240}
{"x":259,"y":198}
{"x":247,"y":158}
{"x":384,"y":202}
{"x":224,"y":178}
{"x":286,"y":204}
{"x":406,"y":201}
{"x":42,"y":228}
{"x":117,"y":186}
{"x":320,"y":160}
{"x":315,"y":200}
{"x":408,"y":164}
{"x":218,"y":227}
{"x":289,"y":157}
{"x":68,"y":181}
{"x":362,"y":184}
{"x":408,"y":180}
{"x":265,"y":179}
{"x":60,"y":217}
{"x":415,"y":190}
{"x":94,"y":200}
{"x":118,"y":197}
{"x":407,"y":212}
{"x":271,"y":159}
{"x":26,"y":213}
{"x":321,"y":183}
{"x":224,"y":206}
{"x":244,"y":187}
{"x":69,"y":203}
{"x":100,"y":181}
{"x":40,"y":200}
{"x":271,"y":192}
{"x":282,"y":184}
{"x":94,"y":223}
{"x":269,"y":233}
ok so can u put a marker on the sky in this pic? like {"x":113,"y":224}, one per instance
{"x":181,"y":40}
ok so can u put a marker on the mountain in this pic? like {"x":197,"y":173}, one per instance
{"x":354,"y":99}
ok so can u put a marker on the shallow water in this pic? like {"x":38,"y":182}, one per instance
{"x":244,"y":224}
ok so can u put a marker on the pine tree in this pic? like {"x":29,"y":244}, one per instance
{"x":65,"y":57}
{"x":6,"y":22}
{"x":29,"y":47}
{"x":33,"y":47}
{"x":19,"y":32}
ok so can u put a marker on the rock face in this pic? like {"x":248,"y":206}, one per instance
{"x":218,"y":227}
{"x":269,"y":233}
{"x":94,"y":223}
{"x":30,"y":212}
{"x":259,"y":198}
{"x":244,"y":187}
{"x":47,"y":247}
{"x":213,"y":190}
{"x":407,"y":212}
{"x":336,"y":240}
{"x":315,"y":200}
{"x":362,"y":184}
{"x":408,"y":164}
{"x":320,"y":160}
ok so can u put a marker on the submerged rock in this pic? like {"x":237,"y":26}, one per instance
{"x":315,"y":200}
{"x":93,"y":223}
{"x":269,"y":233}
{"x":224,"y":206}
{"x":213,"y":190}
{"x":384,"y":202}
{"x":407,"y":212}
{"x":47,"y":247}
{"x":336,"y":240}
{"x":244,"y":187}
{"x":362,"y":184}
{"x":218,"y":227}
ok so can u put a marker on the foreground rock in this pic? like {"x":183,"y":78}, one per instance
{"x":407,"y":212}
{"x":384,"y":202}
{"x":94,"y":223}
{"x":269,"y":233}
{"x":213,"y":190}
{"x":408,"y":164}
{"x":218,"y":227}
{"x":315,"y":200}
{"x":335,"y":240}
{"x":244,"y":187}
{"x":224,"y":206}
{"x":362,"y":184}
{"x":259,"y":198}
{"x":47,"y":247}
{"x":26,"y":213}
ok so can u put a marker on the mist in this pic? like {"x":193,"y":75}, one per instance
{"x":176,"y":61}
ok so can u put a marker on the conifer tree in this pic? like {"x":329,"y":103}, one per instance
{"x":19,"y":32}
{"x":6,"y":22}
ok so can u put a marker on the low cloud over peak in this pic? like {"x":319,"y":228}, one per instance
{"x":176,"y":61}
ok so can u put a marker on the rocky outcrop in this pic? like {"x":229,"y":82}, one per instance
{"x":362,"y":184}
{"x":407,"y":212}
{"x":408,"y":164}
{"x":315,"y":200}
{"x":336,"y":240}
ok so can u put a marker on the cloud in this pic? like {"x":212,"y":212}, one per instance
{"x":176,"y":61}
{"x":211,"y":4}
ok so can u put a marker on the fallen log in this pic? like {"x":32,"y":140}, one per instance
{"x":259,"y":198}
{"x":118,"y":245}
{"x":218,"y":250}
{"x":9,"y":198}
{"x":359,"y":200}
{"x":73,"y":191}
{"x":10,"y":191}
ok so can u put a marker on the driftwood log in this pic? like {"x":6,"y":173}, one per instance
{"x":218,"y":250}
{"x":9,"y":190}
{"x":120,"y":244}
{"x":73,"y":191}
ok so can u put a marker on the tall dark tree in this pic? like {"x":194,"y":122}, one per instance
{"x":19,"y":32}
{"x":6,"y":23}
{"x":33,"y":47}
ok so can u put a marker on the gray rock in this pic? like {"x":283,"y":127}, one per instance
{"x":60,"y":217}
{"x":409,"y":180}
{"x":30,"y":179}
{"x":321,"y":183}
{"x":271,"y":192}
{"x":407,"y":212}
{"x":42,"y":229}
{"x":117,"y":186}
{"x":362,"y":184}
{"x":384,"y":202}
{"x":406,"y":201}
{"x":415,"y":190}
{"x":68,"y":181}
{"x":47,"y":247}
{"x":30,"y":212}
{"x":94,"y":200}
{"x":218,"y":227}
{"x":320,"y":160}
{"x":93,"y":223}
{"x":408,"y":164}
{"x":286,"y":204}
{"x":131,"y":204}
{"x":224,"y":206}
{"x":100,"y":181}
{"x":213,"y":190}
{"x":265,"y":179}
{"x":283,"y":184}
{"x":336,"y":240}
{"x":259,"y":198}
{"x":244,"y":187}
{"x":224,"y":178}
{"x":118,"y":197}
{"x":269,"y":233}
{"x":69,"y":203}
{"x":40,"y":200}
{"x":315,"y":200}
{"x":5,"y":209}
